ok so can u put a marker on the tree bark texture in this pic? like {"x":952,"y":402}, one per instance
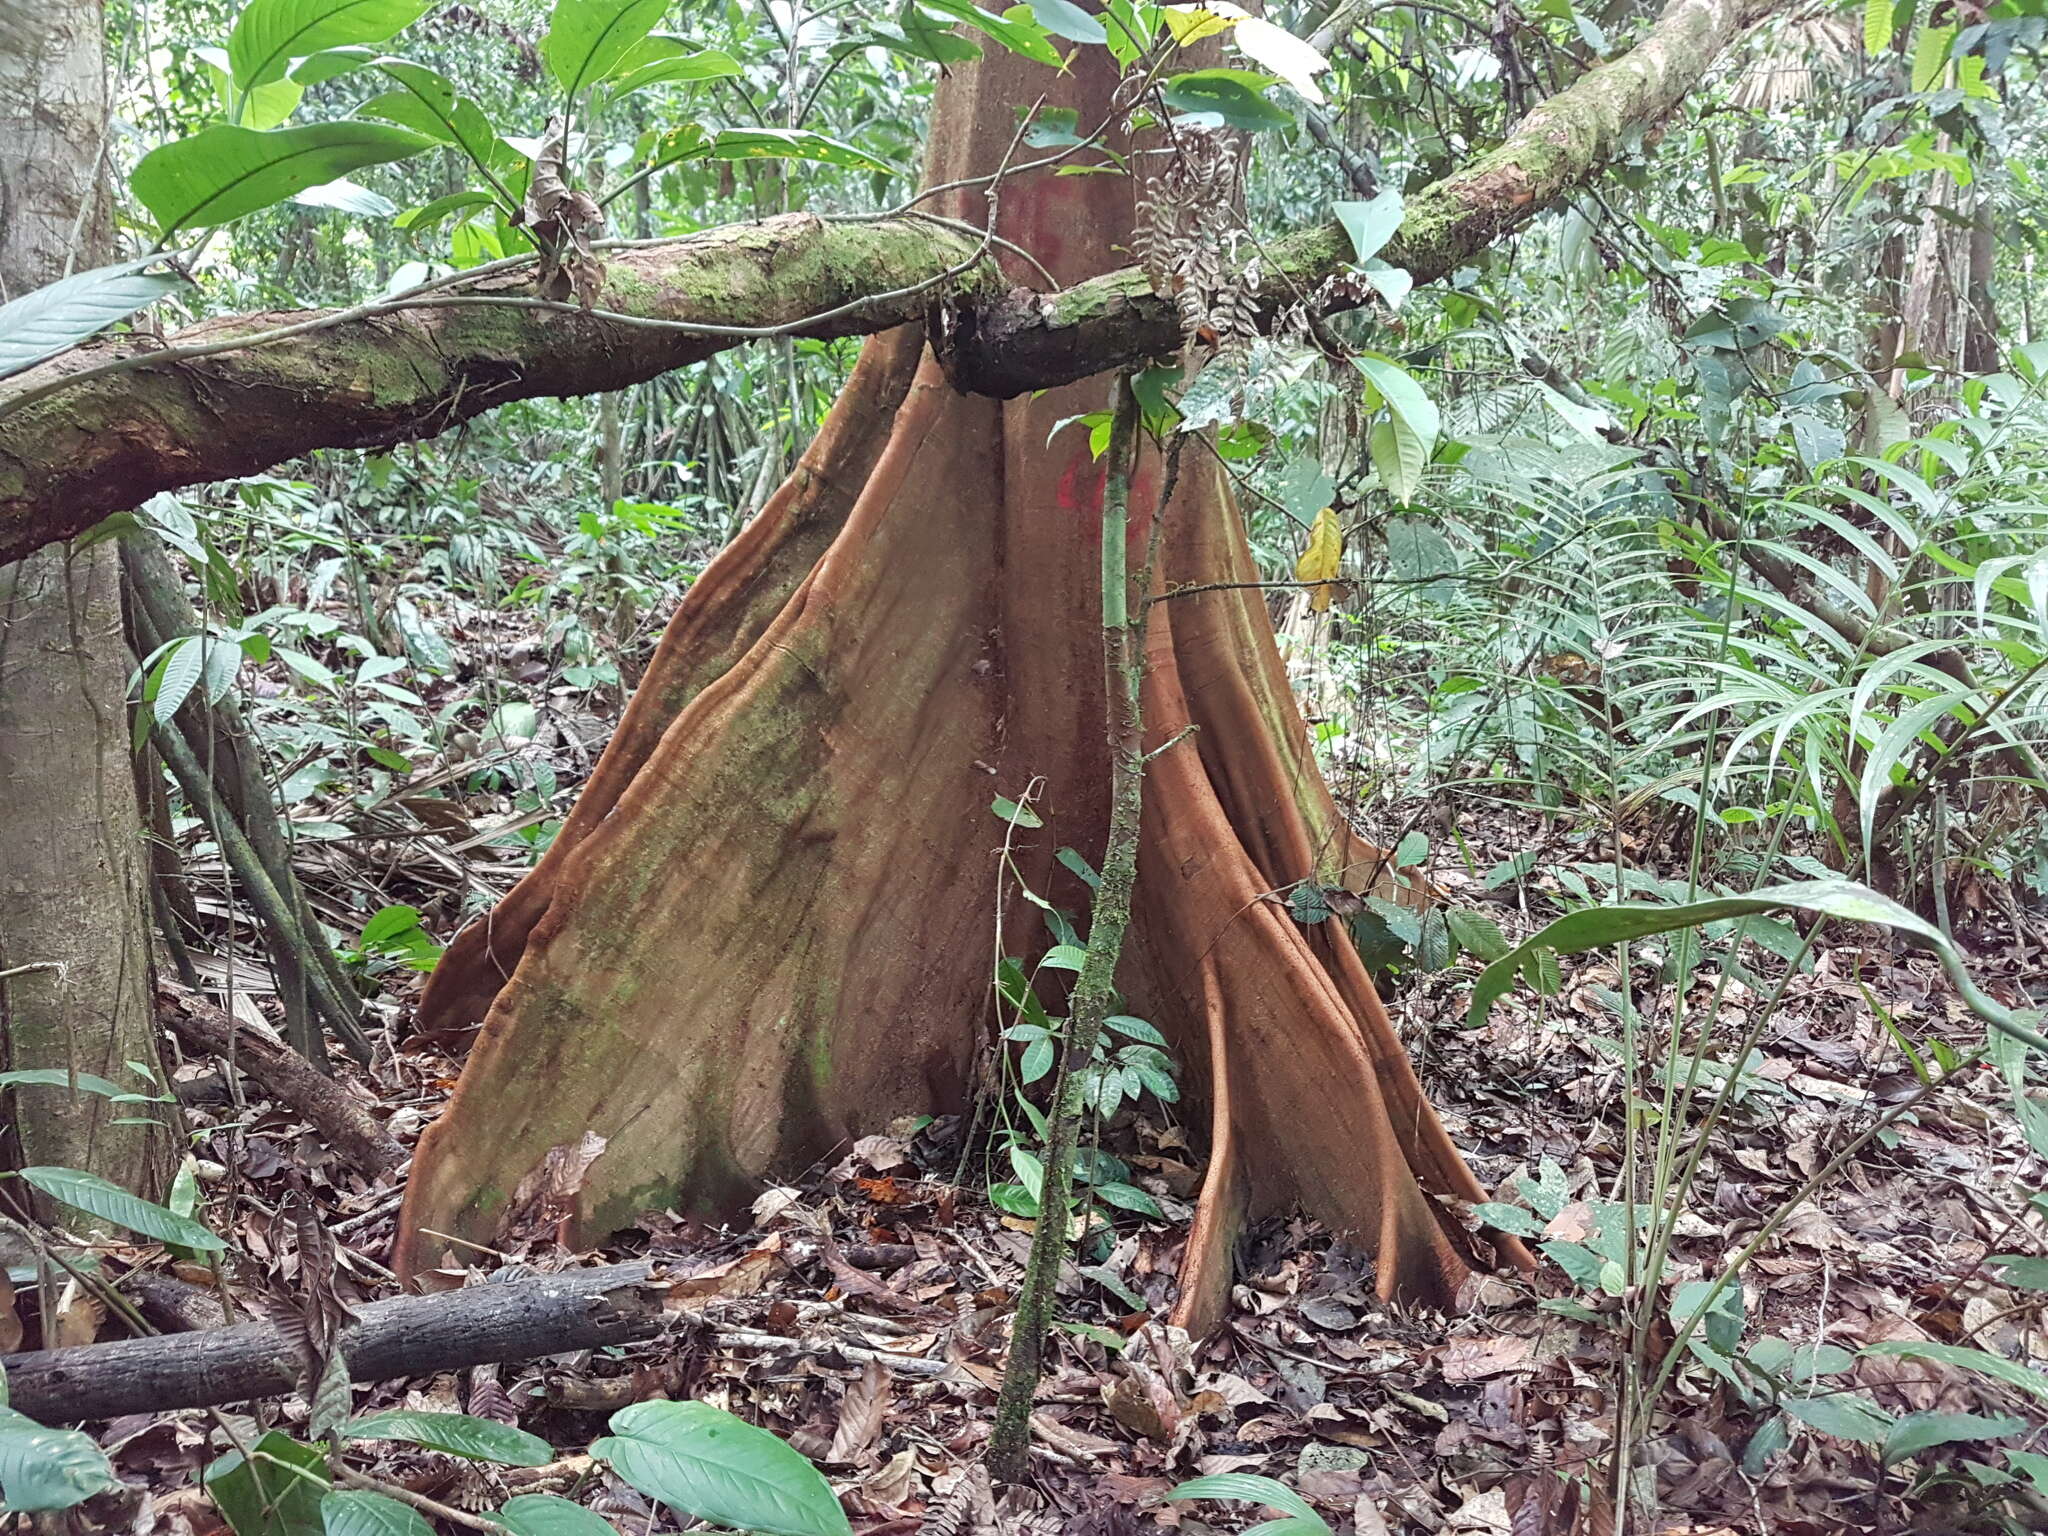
{"x":767,"y":930}
{"x":73,"y":898}
{"x":106,"y":445}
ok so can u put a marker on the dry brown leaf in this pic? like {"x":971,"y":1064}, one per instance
{"x":76,"y":1319}
{"x":882,"y":1153}
{"x":546,"y":1198}
{"x":10,"y":1320}
{"x":862,"y":1412}
{"x":743,"y":1276}
{"x":1474,"y":1359}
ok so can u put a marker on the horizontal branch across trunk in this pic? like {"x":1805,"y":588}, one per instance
{"x":107,"y":444}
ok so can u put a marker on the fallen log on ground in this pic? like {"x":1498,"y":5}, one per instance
{"x":522,"y":1319}
{"x":407,"y":1336}
{"x":342,"y":1120}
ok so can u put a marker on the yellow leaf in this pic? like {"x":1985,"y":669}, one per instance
{"x":1189,"y":24}
{"x":1322,"y":559}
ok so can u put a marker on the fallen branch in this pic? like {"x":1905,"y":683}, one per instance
{"x":407,"y":1336}
{"x":344,"y":1121}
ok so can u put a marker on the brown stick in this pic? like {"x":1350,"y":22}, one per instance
{"x":411,"y":1335}
{"x":346,"y":1124}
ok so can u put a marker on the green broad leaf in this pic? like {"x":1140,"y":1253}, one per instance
{"x":1592,"y":927}
{"x":347,"y":197}
{"x":46,"y":321}
{"x":1771,"y":1437}
{"x":1308,"y":905}
{"x":44,"y":1469}
{"x":1137,"y":1029}
{"x":58,"y":1077}
{"x":1476,"y":933}
{"x":1065,"y":957}
{"x":1404,"y":441}
{"x":2014,"y":1269}
{"x":1931,"y":48}
{"x":1370,"y":224}
{"x":930,"y":37}
{"x":1845,"y":1415}
{"x":2031,"y":1465}
{"x":223,"y":172}
{"x":1247,"y":1488}
{"x":1511,"y":1219}
{"x":261,"y":1498}
{"x":1961,"y":1356}
{"x":427,"y":102}
{"x":664,"y":60}
{"x":1079,"y":867}
{"x":261,"y":106}
{"x":1414,"y":850}
{"x":1878,"y":25}
{"x":358,"y":1512}
{"x":1065,"y":19}
{"x":459,"y":1434}
{"x":1722,"y":1325}
{"x":1035,"y":1061}
{"x":386,"y":924}
{"x":1236,"y":95}
{"x":543,"y":1514}
{"x":1433,"y":943}
{"x":427,"y":215}
{"x":269,"y":34}
{"x":588,"y":40}
{"x":1030,"y":1171}
{"x":332,"y":64}
{"x":703,"y":1461}
{"x":1581,"y":1263}
{"x":1393,"y":284}
{"x":1016,"y":29}
{"x":1014,"y":1199}
{"x":790,"y":144}
{"x":1130,"y":1198}
{"x":1917,"y":1432}
{"x":96,"y":1197}
{"x":1015,"y":814}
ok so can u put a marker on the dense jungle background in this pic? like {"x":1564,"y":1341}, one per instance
{"x":1389,"y":654}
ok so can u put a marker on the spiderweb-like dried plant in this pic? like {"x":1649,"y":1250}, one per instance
{"x":1187,"y":239}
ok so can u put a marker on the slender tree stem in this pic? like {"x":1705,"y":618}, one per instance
{"x":1095,"y":988}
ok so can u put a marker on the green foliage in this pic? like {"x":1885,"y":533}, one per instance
{"x":357,"y":1512}
{"x":96,"y":1197}
{"x":275,"y":1490}
{"x":1299,"y":1517}
{"x":224,"y":172}
{"x":44,"y":1470}
{"x":458,"y":1434}
{"x":46,"y":321}
{"x":703,"y":1461}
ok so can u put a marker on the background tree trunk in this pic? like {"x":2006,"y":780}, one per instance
{"x":766,"y":927}
{"x":72,"y":893}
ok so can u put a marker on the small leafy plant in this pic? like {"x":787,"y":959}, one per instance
{"x":1129,"y":1063}
{"x":699,"y":1460}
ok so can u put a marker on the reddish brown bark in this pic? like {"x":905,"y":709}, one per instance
{"x":767,"y":928}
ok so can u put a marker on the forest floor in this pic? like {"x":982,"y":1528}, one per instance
{"x":860,"y":1312}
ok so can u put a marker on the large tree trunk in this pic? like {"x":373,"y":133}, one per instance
{"x":72,"y":898}
{"x":766,"y":926}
